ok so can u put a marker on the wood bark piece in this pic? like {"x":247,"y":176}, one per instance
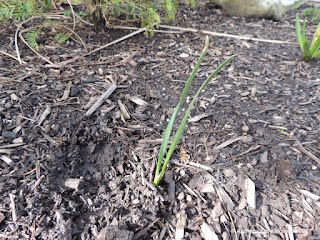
{"x":101,"y":100}
{"x":181,"y":224}
{"x":123,"y":110}
{"x":208,"y":232}
{"x":251,"y":193}
{"x":230,"y":141}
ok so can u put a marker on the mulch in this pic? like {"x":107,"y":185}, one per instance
{"x":247,"y":166}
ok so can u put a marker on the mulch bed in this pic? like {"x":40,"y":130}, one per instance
{"x":248,"y":163}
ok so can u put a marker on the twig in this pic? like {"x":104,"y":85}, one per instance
{"x":228,"y":35}
{"x":247,"y":151}
{"x":309,"y":154}
{"x":73,"y":15}
{"x":230,"y":141}
{"x":101,"y":99}
{"x":25,"y":42}
{"x":16,"y":36}
{"x":61,"y":64}
{"x":193,"y":165}
{"x":9,"y":55}
{"x":73,"y":32}
{"x":16,"y":43}
{"x":233,"y":225}
{"x":13,"y":208}
{"x":136,"y":28}
{"x":193,"y":192}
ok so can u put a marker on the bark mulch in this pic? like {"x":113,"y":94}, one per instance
{"x":247,"y":166}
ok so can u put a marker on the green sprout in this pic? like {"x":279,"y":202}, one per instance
{"x":167,"y":134}
{"x":309,"y":51}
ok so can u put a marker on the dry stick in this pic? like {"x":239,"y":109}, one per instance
{"x":101,"y":99}
{"x":135,"y":28}
{"x":16,"y":36}
{"x":9,"y":55}
{"x":13,"y":208}
{"x":25,"y":42}
{"x":230,"y":141}
{"x":62,"y":64}
{"x":73,"y":32}
{"x":227,"y":35}
{"x":73,"y":15}
{"x":309,"y":154}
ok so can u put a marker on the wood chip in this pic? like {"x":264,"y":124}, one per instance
{"x":7,"y":160}
{"x":199,"y":117}
{"x":208,"y":233}
{"x":73,"y":183}
{"x":251,"y":193}
{"x":225,"y":198}
{"x":230,"y":141}
{"x":66,"y":92}
{"x":181,"y":223}
{"x":44,"y":115}
{"x":123,"y":110}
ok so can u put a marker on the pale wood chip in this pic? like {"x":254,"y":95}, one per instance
{"x":123,"y":110}
{"x":66,"y":92}
{"x":73,"y":183}
{"x":181,"y":223}
{"x":199,"y":117}
{"x":208,"y":233}
{"x":251,"y":193}
{"x":230,"y":141}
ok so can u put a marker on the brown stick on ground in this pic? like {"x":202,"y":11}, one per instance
{"x":228,"y":35}
{"x":101,"y":100}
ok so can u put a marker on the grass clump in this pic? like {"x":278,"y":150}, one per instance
{"x":313,"y":12}
{"x":160,"y":171}
{"x":312,"y":50}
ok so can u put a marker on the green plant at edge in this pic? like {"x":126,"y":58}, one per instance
{"x":312,"y":50}
{"x":31,"y":38}
{"x":61,"y":37}
{"x":313,"y":12}
{"x":167,"y":134}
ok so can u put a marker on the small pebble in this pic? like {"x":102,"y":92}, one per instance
{"x":180,"y":196}
{"x":245,"y":128}
{"x":244,"y":94}
{"x":228,"y":172}
{"x":264,"y":157}
{"x":277,"y":120}
{"x":184,"y":55}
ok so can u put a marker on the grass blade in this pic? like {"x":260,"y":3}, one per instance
{"x":168,"y":131}
{"x":315,"y":46}
{"x":184,"y":121}
{"x":298,"y":31}
{"x":306,"y":51}
{"x":317,"y":54}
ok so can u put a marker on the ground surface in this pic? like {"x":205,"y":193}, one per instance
{"x":68,"y":176}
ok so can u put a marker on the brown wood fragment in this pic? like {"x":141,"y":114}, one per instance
{"x":101,"y":100}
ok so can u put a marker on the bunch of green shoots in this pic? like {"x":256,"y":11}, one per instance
{"x":159,"y":174}
{"x":309,"y":51}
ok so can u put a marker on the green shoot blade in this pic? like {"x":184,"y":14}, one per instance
{"x":315,"y":47}
{"x":298,"y":32}
{"x":306,"y":50}
{"x":184,"y":121}
{"x":317,"y":54}
{"x":304,"y":29}
{"x":168,"y":131}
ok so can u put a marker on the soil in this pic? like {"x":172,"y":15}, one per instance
{"x":247,"y":166}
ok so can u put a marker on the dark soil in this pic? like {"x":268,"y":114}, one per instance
{"x":68,"y":176}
